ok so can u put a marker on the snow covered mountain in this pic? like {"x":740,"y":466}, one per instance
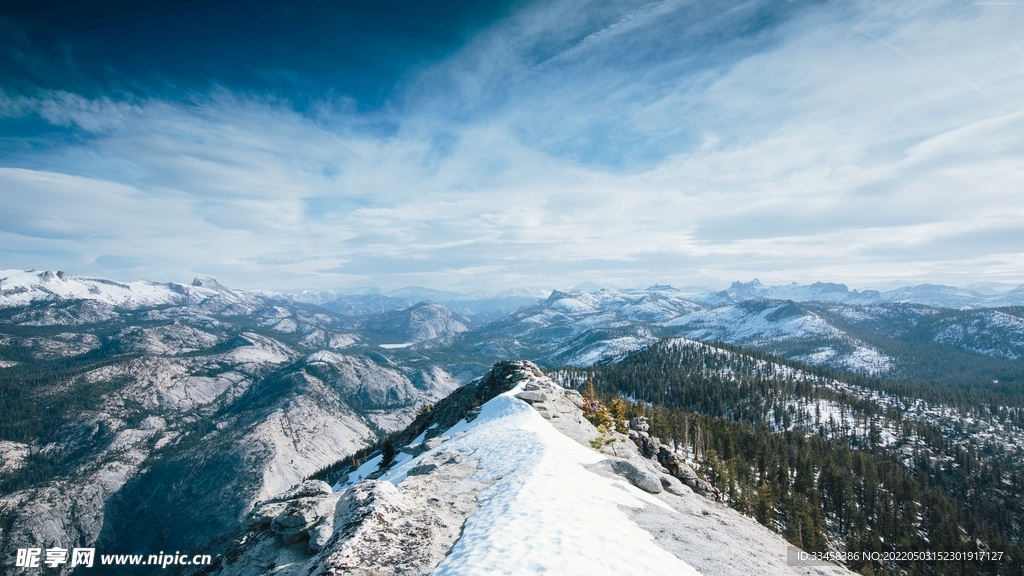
{"x":822,"y":323}
{"x":934,"y":295}
{"x":578,"y":328}
{"x":123,"y":403}
{"x":478,"y":306}
{"x":20,"y":288}
{"x":133,"y":406}
{"x":423,"y":321}
{"x":507,"y":477}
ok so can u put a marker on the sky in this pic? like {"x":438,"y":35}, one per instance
{"x":487,"y":145}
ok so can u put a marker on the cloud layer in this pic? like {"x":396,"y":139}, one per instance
{"x":630,"y":143}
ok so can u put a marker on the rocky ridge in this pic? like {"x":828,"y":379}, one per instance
{"x":147,"y":423}
{"x":410,"y":516}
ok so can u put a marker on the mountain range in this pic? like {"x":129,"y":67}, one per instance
{"x":151,"y":416}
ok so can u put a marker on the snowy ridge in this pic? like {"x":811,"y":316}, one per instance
{"x":515,"y":486}
{"x":579,"y":329}
{"x":982,"y":424}
{"x":21,"y":288}
{"x":546,"y":505}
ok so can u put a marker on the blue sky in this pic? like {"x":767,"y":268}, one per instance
{"x":484,"y":145}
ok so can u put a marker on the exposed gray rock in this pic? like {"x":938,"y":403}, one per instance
{"x":637,"y":476}
{"x":421,"y":469}
{"x":423,"y":321}
{"x":532,"y":397}
{"x":575,"y":397}
{"x":320,"y":534}
{"x":368,"y":385}
{"x":262,"y":515}
{"x":172,"y":339}
{"x":301,"y":514}
{"x":432,"y":443}
{"x":639,"y":424}
{"x":12,"y":455}
{"x":672,"y":485}
{"x":306,"y":489}
{"x":373,"y":527}
{"x":718,"y":541}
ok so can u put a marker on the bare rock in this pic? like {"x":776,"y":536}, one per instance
{"x":531,"y":397}
{"x":320,"y":534}
{"x":434,"y":442}
{"x":575,"y":397}
{"x":299,"y":516}
{"x":262,"y":516}
{"x":306,"y":489}
{"x":672,"y":485}
{"x":421,"y":469}
{"x":637,"y":476}
{"x":639,"y":424}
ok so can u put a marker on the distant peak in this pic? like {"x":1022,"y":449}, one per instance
{"x":751,"y":284}
{"x":208,"y":283}
{"x":830,"y":287}
{"x":558,"y":295}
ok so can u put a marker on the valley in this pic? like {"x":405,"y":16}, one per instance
{"x":150,"y":415}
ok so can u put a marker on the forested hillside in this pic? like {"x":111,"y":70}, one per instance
{"x":833,"y":461}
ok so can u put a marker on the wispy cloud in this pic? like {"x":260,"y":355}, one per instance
{"x":627,"y":143}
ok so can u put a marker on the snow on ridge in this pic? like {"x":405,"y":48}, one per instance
{"x":737,"y":323}
{"x":21,"y":288}
{"x":605,"y":349}
{"x":545,"y":506}
{"x":867,"y":359}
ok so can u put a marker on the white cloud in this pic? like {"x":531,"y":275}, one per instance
{"x":855,"y":143}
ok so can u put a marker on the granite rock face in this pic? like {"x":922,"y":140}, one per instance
{"x":371,"y":528}
{"x":186,"y":405}
{"x":408,"y":527}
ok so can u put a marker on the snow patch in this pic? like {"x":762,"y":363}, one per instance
{"x":545,"y":506}
{"x":393,"y":346}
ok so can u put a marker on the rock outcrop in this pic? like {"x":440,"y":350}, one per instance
{"x":372,"y":528}
{"x":408,"y":516}
{"x":651,"y":447}
{"x":160,"y":428}
{"x":422,"y":321}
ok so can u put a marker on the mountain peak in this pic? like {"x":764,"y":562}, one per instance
{"x":205,"y":282}
{"x":506,"y":472}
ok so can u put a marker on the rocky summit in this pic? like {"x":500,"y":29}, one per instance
{"x":507,"y":476}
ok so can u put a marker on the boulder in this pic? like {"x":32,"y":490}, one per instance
{"x":320,"y":534}
{"x":637,"y":476}
{"x":299,"y":516}
{"x":704,"y":488}
{"x":421,"y":469}
{"x":650,"y":446}
{"x":307,"y":489}
{"x":672,"y":485}
{"x":575,"y":397}
{"x":639,"y":424}
{"x":532,"y":397}
{"x":261,"y":516}
{"x":434,"y":442}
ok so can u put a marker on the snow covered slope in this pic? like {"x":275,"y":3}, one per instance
{"x":512,"y":485}
{"x":19,"y":288}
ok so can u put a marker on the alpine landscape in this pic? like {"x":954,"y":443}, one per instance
{"x":281,"y":436}
{"x":511,"y":288}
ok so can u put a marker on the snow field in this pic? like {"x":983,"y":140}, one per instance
{"x":546,"y":514}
